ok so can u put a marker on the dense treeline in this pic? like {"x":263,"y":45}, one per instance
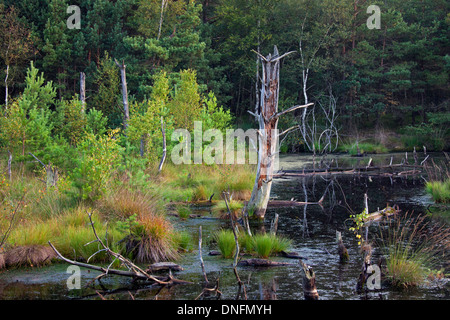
{"x":395,"y":77}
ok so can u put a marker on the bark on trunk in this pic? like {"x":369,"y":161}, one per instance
{"x":267,"y":116}
{"x":123,"y":77}
{"x":6,"y":87}
{"x":83,"y":91}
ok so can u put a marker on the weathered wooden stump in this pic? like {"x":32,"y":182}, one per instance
{"x":342,"y":250}
{"x":309,"y":282}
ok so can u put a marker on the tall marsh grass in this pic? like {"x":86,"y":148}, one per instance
{"x":263,"y":245}
{"x":413,"y":245}
{"x":438,"y":184}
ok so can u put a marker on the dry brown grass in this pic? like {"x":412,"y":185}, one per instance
{"x":122,"y":203}
{"x":151,"y":233}
{"x":32,"y":255}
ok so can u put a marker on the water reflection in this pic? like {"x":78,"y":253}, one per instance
{"x":329,"y":202}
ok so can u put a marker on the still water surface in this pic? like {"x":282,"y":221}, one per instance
{"x":312,"y":229}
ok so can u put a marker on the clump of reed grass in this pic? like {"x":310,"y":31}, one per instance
{"x":122,"y":203}
{"x":439,"y":190}
{"x":200,"y":182}
{"x":267,"y":244}
{"x":150,"y":233}
{"x":220,"y":209}
{"x":413,"y":245}
{"x":263,"y":245}
{"x":226,"y":243}
{"x":438,"y":184}
{"x":153,"y":238}
{"x":183,"y":211}
{"x":184,"y":241}
{"x":362,"y":147}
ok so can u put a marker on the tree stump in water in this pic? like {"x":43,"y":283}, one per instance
{"x":309,"y":282}
{"x":367,"y":250}
{"x":342,"y":250}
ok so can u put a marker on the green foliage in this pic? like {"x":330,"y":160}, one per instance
{"x":364,"y":147}
{"x":359,"y":221}
{"x":226,"y":243}
{"x":439,"y":190}
{"x":71,"y":120}
{"x":27,"y":123}
{"x":433,"y":135}
{"x":213,"y":116}
{"x":99,"y":158}
{"x":266,"y":244}
{"x":107,"y":97}
{"x":96,"y":123}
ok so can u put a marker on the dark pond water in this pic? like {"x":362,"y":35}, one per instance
{"x":311,"y":228}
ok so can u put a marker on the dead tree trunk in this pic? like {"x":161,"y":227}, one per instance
{"x":83,"y":91}
{"x":123,"y":77}
{"x":9,"y":165}
{"x":6,"y":87}
{"x":342,"y":250}
{"x":267,"y":116}
{"x":163,"y":132}
{"x":309,"y":282}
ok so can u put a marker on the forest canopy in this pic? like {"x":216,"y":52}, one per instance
{"x":395,"y":77}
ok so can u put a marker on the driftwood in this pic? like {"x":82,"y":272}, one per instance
{"x":202,"y":264}
{"x":287,"y":203}
{"x":291,"y":255}
{"x":403,"y":168}
{"x":163,"y":266}
{"x":263,"y":263}
{"x":309,"y":282}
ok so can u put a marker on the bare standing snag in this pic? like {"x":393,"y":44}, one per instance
{"x":267,"y":116}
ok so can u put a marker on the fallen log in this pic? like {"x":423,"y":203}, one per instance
{"x":163,"y":266}
{"x":287,"y":203}
{"x":291,"y":255}
{"x":384,"y":213}
{"x":263,"y":263}
{"x":342,"y":250}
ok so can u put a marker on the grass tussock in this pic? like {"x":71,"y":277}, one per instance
{"x":439,"y":190}
{"x":220,"y":209}
{"x":30,"y":255}
{"x":262,"y":245}
{"x":413,"y":246}
{"x":438,"y":184}
{"x":226,"y":243}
